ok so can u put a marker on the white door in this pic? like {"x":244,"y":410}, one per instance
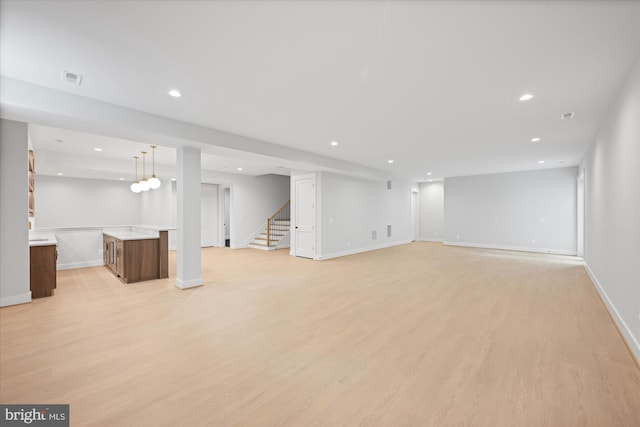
{"x":209,"y":215}
{"x":305,"y":218}
{"x":414,"y":216}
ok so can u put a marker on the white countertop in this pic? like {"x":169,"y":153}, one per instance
{"x":155,"y":227}
{"x":130,"y":235}
{"x":42,"y":239}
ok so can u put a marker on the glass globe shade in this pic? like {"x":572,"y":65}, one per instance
{"x":154,"y":182}
{"x":135,"y":187}
{"x":144,"y":185}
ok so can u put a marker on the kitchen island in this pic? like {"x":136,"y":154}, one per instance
{"x":137,"y":253}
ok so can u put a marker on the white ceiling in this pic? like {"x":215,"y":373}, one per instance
{"x":432,"y":85}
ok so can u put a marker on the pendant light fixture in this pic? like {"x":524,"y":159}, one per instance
{"x":154,"y":182}
{"x":135,"y":187}
{"x":144,"y":184}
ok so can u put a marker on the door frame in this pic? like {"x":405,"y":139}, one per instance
{"x":221,"y":213}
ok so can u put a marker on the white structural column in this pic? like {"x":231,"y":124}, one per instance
{"x":189,"y":268}
{"x":14,"y":204}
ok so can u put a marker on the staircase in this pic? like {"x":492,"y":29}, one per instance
{"x":275,"y":231}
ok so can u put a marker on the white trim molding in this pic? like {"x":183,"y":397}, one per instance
{"x":632,"y":342}
{"x":429,"y":239}
{"x":193,"y":283}
{"x":511,"y":248}
{"x":15,"y":299}
{"x":83,"y":264}
{"x":361,"y":250}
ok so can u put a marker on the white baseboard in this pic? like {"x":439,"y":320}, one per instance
{"x":186,"y":284}
{"x":511,"y":248}
{"x":239,"y":246}
{"x":361,"y":250}
{"x":83,"y":264}
{"x":15,"y":299}
{"x":429,"y":239}
{"x":632,"y":342}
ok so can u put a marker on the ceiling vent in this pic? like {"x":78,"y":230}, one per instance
{"x":73,"y":78}
{"x":567,"y":116}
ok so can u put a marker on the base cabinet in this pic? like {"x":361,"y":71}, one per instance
{"x":135,"y":260}
{"x":42,"y":270}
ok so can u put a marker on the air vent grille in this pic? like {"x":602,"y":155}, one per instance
{"x":567,"y":116}
{"x":72,"y":78}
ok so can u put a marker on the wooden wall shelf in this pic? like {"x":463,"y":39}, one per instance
{"x":31,"y":183}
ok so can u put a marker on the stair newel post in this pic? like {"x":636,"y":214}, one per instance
{"x":268,"y":232}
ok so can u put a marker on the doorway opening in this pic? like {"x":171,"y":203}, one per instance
{"x":227,"y":217}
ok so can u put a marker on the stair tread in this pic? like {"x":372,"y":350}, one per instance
{"x":261,"y":244}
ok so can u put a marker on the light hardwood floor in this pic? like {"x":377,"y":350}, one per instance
{"x":420,"y":334}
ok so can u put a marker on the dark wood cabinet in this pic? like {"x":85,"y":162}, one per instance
{"x":109,"y":252}
{"x":120,"y":259}
{"x":136,"y":260}
{"x":42,"y":270}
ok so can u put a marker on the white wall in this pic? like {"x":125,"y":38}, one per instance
{"x":532,"y":211}
{"x":253,"y":200}
{"x":432,"y":211}
{"x":78,"y":208}
{"x":612,"y":210}
{"x":74,"y":202}
{"x":350,"y":209}
{"x":14,"y":208}
{"x":159,"y":207}
{"x":209,"y":215}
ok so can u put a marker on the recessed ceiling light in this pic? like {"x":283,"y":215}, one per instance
{"x":334,"y":143}
{"x":175,"y":93}
{"x":389,"y":161}
{"x":97,"y":149}
{"x":173,"y":179}
{"x":540,"y":162}
{"x":535,"y":139}
{"x":430,"y":180}
{"x":526,"y":97}
{"x":121,"y":179}
{"x":59,"y":174}
{"x":239,"y":169}
{"x":428,"y":173}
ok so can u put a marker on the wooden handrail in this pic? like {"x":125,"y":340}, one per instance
{"x":279,"y":210}
{"x":273,"y":218}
